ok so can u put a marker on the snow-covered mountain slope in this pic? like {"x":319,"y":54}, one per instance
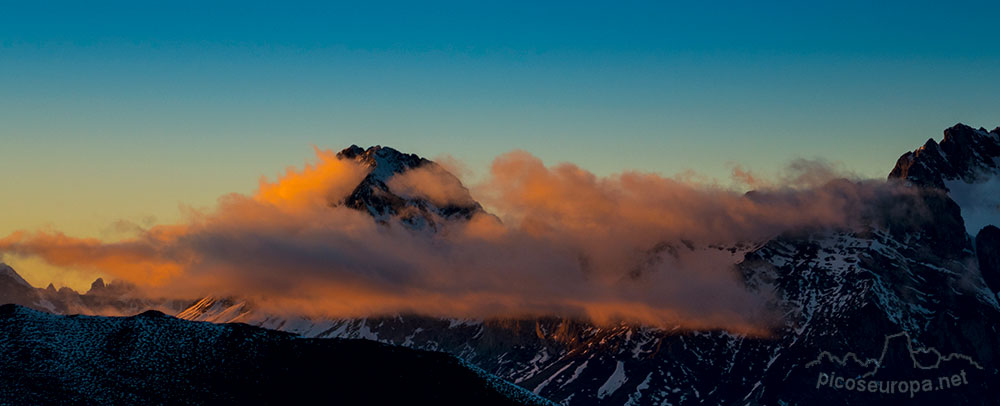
{"x":152,"y":358}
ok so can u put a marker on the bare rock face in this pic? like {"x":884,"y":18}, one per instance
{"x":965,"y":153}
{"x":988,"y":253}
{"x":374,"y":196}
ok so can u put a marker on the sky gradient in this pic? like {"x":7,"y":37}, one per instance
{"x":126,"y":111}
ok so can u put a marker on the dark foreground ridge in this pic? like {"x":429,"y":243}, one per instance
{"x":152,"y":358}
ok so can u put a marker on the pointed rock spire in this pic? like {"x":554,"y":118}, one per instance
{"x":964,"y":153}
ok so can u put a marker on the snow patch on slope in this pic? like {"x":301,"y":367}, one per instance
{"x":614,"y":382}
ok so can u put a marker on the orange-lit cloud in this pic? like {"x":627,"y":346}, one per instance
{"x":326,"y":181}
{"x":138,"y":259}
{"x":632,"y":246}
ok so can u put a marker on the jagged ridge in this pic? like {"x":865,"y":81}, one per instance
{"x":964,"y":153}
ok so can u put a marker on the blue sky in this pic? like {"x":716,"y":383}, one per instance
{"x":127,"y":109}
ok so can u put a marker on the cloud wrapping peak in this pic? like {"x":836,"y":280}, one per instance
{"x":627,"y":247}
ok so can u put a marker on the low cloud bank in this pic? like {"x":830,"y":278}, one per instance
{"x":632,"y":246}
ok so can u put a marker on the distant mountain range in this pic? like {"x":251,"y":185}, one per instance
{"x":927,"y":282}
{"x":115,"y":298}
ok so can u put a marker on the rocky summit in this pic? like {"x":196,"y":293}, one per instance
{"x":965,"y":154}
{"x":374,"y":196}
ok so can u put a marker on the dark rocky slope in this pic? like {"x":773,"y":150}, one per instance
{"x":152,"y":358}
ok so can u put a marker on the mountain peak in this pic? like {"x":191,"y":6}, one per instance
{"x":964,"y":153}
{"x":6,"y":270}
{"x":375,"y":196}
{"x":97,"y":286}
{"x":384,"y":161}
{"x":963,"y":135}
